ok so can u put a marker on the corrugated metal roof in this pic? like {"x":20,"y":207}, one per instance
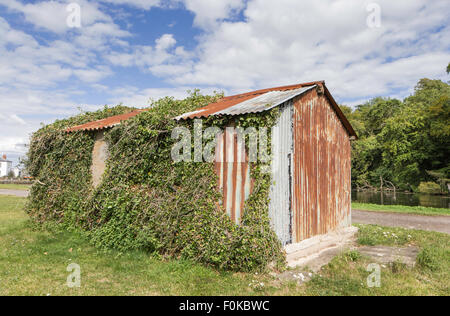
{"x":262,"y":100}
{"x":225,"y":103}
{"x":104,"y":123}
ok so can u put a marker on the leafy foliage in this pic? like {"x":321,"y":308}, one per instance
{"x":146,"y":200}
{"x":429,"y":188}
{"x":405,"y":142}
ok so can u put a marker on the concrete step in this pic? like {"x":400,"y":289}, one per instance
{"x":306,"y":251}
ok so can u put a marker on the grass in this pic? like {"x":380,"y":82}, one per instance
{"x":346,"y":274}
{"x":418,"y":210}
{"x":15,"y":186}
{"x":34,"y":262}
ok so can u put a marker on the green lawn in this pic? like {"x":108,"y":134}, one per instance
{"x":34,"y":262}
{"x":419,"y":210}
{"x":15,"y":186}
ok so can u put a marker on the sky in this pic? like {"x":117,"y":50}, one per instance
{"x":130,"y":52}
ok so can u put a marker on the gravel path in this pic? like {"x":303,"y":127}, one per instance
{"x":21,"y":193}
{"x":432,"y":223}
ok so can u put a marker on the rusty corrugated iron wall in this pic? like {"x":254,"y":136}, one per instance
{"x":232,"y":168}
{"x":321,"y":171}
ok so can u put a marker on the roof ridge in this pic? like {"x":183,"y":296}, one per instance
{"x":262,"y":91}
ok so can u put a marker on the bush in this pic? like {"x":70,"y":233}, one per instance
{"x":429,"y":188}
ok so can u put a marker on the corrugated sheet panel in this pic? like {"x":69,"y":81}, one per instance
{"x":321,"y":173}
{"x":104,"y":123}
{"x":263,"y":102}
{"x":227,"y":102}
{"x":280,"y":191}
{"x":232,"y":168}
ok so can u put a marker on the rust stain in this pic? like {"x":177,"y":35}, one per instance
{"x":321,"y":172}
{"x":233,"y":170}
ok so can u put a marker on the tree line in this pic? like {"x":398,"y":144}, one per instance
{"x":403,"y":144}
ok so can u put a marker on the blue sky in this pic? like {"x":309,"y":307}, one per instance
{"x":135,"y":50}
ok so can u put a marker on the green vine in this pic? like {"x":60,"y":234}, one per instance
{"x":146,"y":200}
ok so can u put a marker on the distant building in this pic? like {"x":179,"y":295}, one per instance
{"x":17,"y":172}
{"x":5,"y":166}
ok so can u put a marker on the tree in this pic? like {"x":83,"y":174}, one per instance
{"x":403,"y":142}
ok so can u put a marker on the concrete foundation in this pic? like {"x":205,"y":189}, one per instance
{"x":309,"y":250}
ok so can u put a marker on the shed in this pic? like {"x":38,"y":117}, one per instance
{"x":310,"y":168}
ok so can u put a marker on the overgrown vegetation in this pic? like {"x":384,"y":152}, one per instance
{"x":147,"y":201}
{"x":403,"y":143}
{"x":33,"y":261}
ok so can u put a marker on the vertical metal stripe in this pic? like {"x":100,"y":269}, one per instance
{"x":232,"y":167}
{"x":225,"y":172}
{"x":219,"y":159}
{"x":229,"y":149}
{"x":234,"y":184}
{"x":322,"y":168}
{"x":243,"y":197}
{"x":247,"y":184}
{"x":240,"y":180}
{"x":280,"y":208}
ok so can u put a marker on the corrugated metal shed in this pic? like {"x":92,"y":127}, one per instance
{"x":310,"y":166}
{"x":104,"y":123}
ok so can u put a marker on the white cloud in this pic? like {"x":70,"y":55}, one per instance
{"x":283,"y":42}
{"x":25,"y":62}
{"x":52,"y":15}
{"x":13,"y":144}
{"x":92,"y":75}
{"x":164,"y":58}
{"x":209,"y":13}
{"x":10,"y":36}
{"x":17,"y":119}
{"x":165,"y":42}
